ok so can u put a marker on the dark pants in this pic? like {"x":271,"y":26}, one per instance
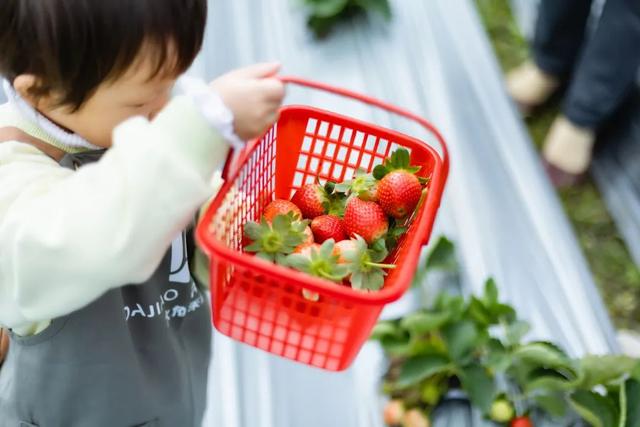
{"x":601,"y":68}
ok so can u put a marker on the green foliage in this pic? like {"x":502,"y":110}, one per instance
{"x":478,"y":342}
{"x":326,"y":14}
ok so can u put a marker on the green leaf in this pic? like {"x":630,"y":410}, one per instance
{"x":516,"y":331}
{"x":396,"y":345}
{"x":380,"y":6}
{"x":383,"y":329}
{"x":442,"y":256}
{"x":453,"y":304}
{"x":378,"y":251}
{"x":632,"y":393}
{"x":594,"y":408}
{"x":327,"y":248}
{"x":604,"y":369}
{"x":281,"y":224}
{"x":543,"y":355}
{"x":379,"y":172}
{"x":502,"y":312}
{"x":498,"y":358}
{"x":479,"y":385}
{"x":253,"y":247}
{"x":253,"y":230}
{"x":265,"y":256}
{"x":418,"y":368}
{"x":553,"y":403}
{"x":490,"y":292}
{"x":423,"y":322}
{"x":372,"y":281}
{"x":461,"y":339}
{"x":636,"y":371}
{"x":281,"y":259}
{"x":299,"y":262}
{"x":479,"y":313}
{"x":328,"y":8}
{"x":550,"y":380}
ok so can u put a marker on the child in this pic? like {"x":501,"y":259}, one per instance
{"x":98,"y":180}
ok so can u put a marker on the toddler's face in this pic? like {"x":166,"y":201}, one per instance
{"x":133,"y":94}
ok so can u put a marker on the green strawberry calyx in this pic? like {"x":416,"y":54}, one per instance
{"x":334,"y":201}
{"x":365,"y":264}
{"x":363,"y":185}
{"x":274,"y":241}
{"x":396,"y":230}
{"x":322,"y":263}
{"x":399,"y":160}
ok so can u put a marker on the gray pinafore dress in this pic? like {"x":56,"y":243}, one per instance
{"x":137,"y":356}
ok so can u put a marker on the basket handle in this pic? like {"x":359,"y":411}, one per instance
{"x":440,"y":178}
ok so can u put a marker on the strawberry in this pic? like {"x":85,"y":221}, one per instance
{"x":415,"y":418}
{"x":281,"y":207}
{"x":393,"y":412}
{"x":306,"y":248}
{"x":521,"y":422}
{"x":366,"y":219}
{"x":320,"y":262}
{"x":315,"y":200}
{"x":502,"y":410}
{"x":326,"y":227}
{"x":364,"y":264}
{"x":364,"y":185}
{"x":273,"y":241}
{"x":311,"y":199}
{"x":342,"y":247}
{"x":399,"y":189}
{"x":308,"y":233}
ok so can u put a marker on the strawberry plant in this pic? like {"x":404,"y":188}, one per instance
{"x":477,"y":344}
{"x":325,"y":14}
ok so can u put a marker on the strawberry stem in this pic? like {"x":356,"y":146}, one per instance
{"x":376,"y":264}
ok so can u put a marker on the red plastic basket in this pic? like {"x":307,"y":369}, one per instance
{"x":261,"y":304}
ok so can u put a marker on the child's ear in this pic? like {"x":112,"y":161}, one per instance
{"x":23,"y":84}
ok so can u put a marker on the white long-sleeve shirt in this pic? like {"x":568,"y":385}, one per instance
{"x":67,"y":237}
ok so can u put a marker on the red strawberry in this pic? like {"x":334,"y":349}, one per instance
{"x":399,"y":189}
{"x":521,"y":422}
{"x":328,"y":227}
{"x":311,"y":199}
{"x":281,"y":207}
{"x":399,"y":193}
{"x":365,"y":219}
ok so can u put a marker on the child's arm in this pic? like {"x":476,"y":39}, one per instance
{"x":67,"y":237}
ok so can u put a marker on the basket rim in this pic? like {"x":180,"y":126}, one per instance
{"x":212,"y":246}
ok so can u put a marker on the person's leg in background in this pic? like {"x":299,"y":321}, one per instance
{"x":559,"y":35}
{"x":604,"y":77}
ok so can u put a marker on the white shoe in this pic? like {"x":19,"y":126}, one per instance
{"x":529,"y":86}
{"x":569,"y":147}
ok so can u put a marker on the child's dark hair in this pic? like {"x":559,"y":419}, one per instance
{"x":72,"y":46}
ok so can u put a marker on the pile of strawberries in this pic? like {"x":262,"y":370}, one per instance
{"x":341,"y":232}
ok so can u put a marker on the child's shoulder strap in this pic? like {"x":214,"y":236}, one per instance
{"x":11,"y":133}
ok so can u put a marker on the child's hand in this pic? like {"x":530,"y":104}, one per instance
{"x":253,"y":96}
